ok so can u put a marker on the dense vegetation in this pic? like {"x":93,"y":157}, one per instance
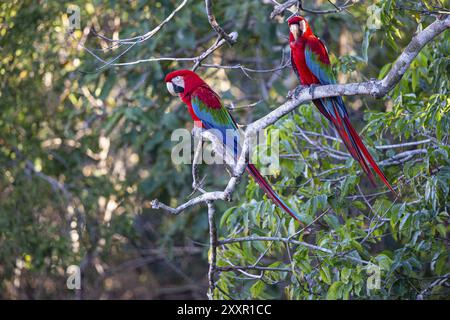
{"x":84,"y":151}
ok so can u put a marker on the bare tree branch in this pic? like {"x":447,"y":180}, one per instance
{"x":197,"y":60}
{"x":197,"y":185}
{"x":219,"y":43}
{"x":402,"y":157}
{"x":246,"y":69}
{"x":131,"y":42}
{"x":280,"y":8}
{"x":148,"y":35}
{"x":240,"y":268}
{"x":402,"y":145}
{"x":292,"y":241}
{"x":213,"y":22}
{"x":441,"y":281}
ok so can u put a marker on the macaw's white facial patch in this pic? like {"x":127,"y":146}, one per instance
{"x":175,"y":86}
{"x":294,"y":28}
{"x":178,"y":81}
{"x":302,"y":26}
{"x":170,"y":88}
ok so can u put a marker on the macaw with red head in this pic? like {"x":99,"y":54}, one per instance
{"x":311,"y":64}
{"x":207,"y":111}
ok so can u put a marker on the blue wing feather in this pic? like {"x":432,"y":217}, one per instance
{"x":324,"y":73}
{"x":228,"y":129}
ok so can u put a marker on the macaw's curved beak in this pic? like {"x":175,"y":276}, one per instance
{"x":295,"y":30}
{"x":174,"y":89}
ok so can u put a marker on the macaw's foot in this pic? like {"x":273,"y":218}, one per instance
{"x":236,"y":176}
{"x":227,"y":196}
{"x":312,"y":87}
{"x":290,"y":94}
{"x":307,"y":231}
{"x":295,"y":92}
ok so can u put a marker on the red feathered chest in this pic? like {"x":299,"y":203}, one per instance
{"x":187,"y":100}
{"x":298,"y":61}
{"x":206,"y":95}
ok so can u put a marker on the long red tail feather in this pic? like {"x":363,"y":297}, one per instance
{"x":352,"y":146}
{"x":367,"y":155}
{"x":356,"y":147}
{"x":251,"y":169}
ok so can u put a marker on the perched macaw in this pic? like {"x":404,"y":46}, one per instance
{"x":311,"y":64}
{"x":207,"y":111}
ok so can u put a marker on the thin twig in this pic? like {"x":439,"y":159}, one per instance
{"x":289,"y":240}
{"x":213,"y":22}
{"x":146,"y":36}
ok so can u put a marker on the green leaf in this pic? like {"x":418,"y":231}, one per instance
{"x":335,"y":291}
{"x":325,"y":274}
{"x":404,"y":221}
{"x":345,"y":275}
{"x":384,"y":262}
{"x":348,"y":183}
{"x":257,"y":288}
{"x":414,"y":79}
{"x":384,"y":71}
{"x":291,"y":228}
{"x":226,"y":214}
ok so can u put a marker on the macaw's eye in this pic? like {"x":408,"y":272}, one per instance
{"x":175,"y":86}
{"x":178,"y":81}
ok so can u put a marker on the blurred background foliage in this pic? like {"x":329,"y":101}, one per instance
{"x":83,"y":152}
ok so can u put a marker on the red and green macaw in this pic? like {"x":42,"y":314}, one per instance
{"x":207,"y":111}
{"x":310,"y":61}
